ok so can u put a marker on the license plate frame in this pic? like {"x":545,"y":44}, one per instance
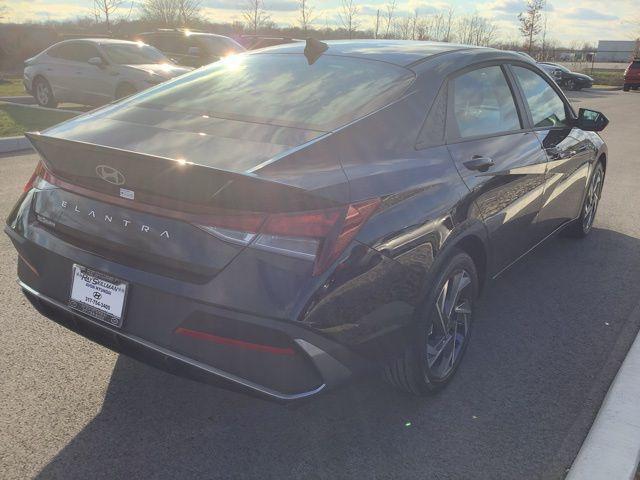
{"x":108,"y":299}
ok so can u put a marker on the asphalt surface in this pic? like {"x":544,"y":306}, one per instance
{"x":549,"y":338}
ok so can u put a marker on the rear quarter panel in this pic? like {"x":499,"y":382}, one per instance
{"x":369,"y":302}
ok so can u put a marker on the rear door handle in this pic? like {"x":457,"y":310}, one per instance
{"x":479,"y":163}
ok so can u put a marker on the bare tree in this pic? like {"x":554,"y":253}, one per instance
{"x":545,"y":19}
{"x":402,"y":28}
{"x":415,"y":20}
{"x":530,"y":21}
{"x":348,"y":16}
{"x":448,"y":20}
{"x":438,"y":26}
{"x":306,"y":14}
{"x":188,"y":10}
{"x":104,"y":11}
{"x":422,"y":30}
{"x":391,"y":8}
{"x":3,"y":9}
{"x":476,"y":30}
{"x":255,"y":16}
{"x":375,"y":35}
{"x":162,"y":12}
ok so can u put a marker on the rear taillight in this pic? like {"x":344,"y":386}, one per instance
{"x":320,"y":236}
{"x":37,"y":173}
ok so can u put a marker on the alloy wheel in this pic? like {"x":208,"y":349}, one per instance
{"x":42,"y":93}
{"x":450,"y":329}
{"x":592,"y":200}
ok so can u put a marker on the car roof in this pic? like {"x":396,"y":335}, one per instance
{"x":182,"y":33}
{"x":399,"y":52}
{"x":97,"y":41}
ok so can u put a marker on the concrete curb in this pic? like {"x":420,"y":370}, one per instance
{"x":604,"y":88}
{"x":38,"y":107}
{"x":21,"y":99}
{"x":612,"y":447}
{"x":14,"y":144}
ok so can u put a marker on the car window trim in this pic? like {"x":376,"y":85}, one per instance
{"x":77,"y":43}
{"x":420,"y":143}
{"x":571,"y":115}
{"x":455,"y":139}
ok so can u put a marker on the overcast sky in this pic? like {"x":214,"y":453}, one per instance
{"x":569,"y":20}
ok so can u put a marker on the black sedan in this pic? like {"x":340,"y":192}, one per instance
{"x":283,"y":220}
{"x":566,"y":78}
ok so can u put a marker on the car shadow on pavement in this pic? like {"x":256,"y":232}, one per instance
{"x":534,"y":375}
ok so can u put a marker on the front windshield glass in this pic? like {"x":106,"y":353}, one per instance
{"x":282,"y":89}
{"x":134,"y":54}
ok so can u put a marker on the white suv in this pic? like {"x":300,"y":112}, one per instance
{"x":95,"y":71}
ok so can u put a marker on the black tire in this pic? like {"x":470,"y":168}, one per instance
{"x":626,"y":88}
{"x":124,"y":90}
{"x":582,"y":226}
{"x":571,"y":85}
{"x":43,"y":93}
{"x":634,"y":88}
{"x":413,"y":372}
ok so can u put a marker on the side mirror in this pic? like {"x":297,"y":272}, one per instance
{"x":96,"y":61}
{"x":194,"y":51}
{"x":592,"y":121}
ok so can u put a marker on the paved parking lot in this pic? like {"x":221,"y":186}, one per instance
{"x":549,"y":339}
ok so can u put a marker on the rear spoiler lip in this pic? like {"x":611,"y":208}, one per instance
{"x":203,"y":218}
{"x":36,"y":137}
{"x":40,"y":141}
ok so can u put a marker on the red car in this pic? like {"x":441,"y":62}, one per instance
{"x":632,"y":76}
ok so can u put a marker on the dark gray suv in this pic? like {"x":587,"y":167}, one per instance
{"x":190,"y":48}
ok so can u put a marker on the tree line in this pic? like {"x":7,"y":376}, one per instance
{"x":390,"y":23}
{"x":351,"y":20}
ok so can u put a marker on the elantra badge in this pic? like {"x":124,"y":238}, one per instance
{"x":110,"y":174}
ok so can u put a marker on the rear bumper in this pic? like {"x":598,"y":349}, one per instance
{"x":331,"y":371}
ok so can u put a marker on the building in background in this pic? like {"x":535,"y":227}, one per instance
{"x":617,"y":50}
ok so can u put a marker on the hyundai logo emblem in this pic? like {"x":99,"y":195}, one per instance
{"x":97,"y":295}
{"x":110,"y":174}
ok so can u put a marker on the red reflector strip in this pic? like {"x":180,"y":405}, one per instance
{"x":234,"y":343}
{"x":28,"y":264}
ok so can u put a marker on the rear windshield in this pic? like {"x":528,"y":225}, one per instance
{"x":282,"y":89}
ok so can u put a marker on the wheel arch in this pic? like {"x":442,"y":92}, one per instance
{"x":473,"y":246}
{"x":602,"y":158}
{"x":471,"y":238}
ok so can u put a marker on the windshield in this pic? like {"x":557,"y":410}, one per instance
{"x":133,"y":54}
{"x":283,"y":89}
{"x":220,"y":46}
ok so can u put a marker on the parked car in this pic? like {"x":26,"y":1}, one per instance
{"x":566,"y":78}
{"x":553,"y":72}
{"x":280,"y":237}
{"x":95,"y":71}
{"x":191,"y":48}
{"x":632,"y":76}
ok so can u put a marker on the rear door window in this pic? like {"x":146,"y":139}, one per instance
{"x":77,"y":52}
{"x":546,"y":107}
{"x":481,"y":104}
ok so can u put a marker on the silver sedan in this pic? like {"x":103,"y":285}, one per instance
{"x":95,"y":71}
